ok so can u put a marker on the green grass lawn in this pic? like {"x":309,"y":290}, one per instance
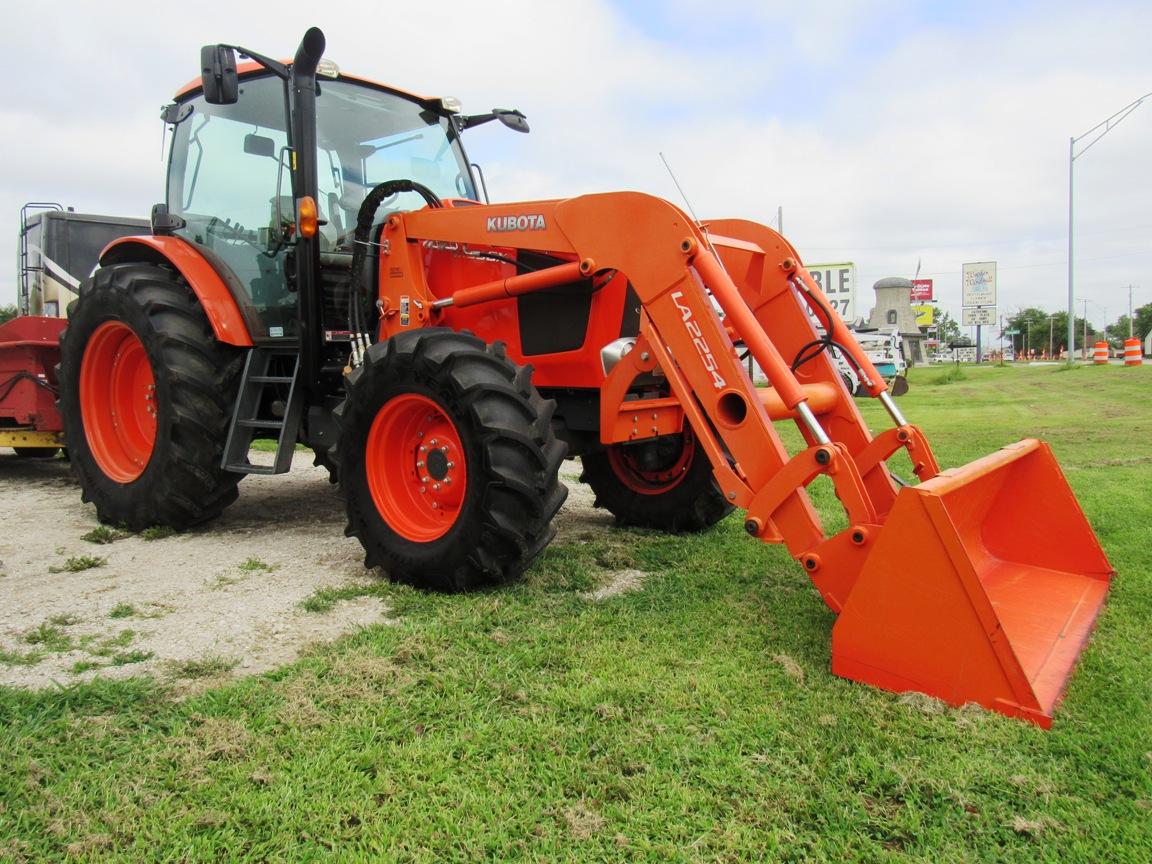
{"x":695,"y":719}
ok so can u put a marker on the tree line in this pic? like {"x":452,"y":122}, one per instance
{"x":1044,"y":331}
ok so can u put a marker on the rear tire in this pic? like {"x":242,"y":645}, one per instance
{"x":146,"y":394}
{"x":475,"y":506}
{"x":664,"y":484}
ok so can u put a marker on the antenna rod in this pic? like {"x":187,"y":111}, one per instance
{"x":680,"y":188}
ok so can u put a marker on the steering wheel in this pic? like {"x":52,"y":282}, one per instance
{"x":231,"y":232}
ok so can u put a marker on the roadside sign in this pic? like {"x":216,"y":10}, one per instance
{"x":1011,"y":333}
{"x":966,"y":355}
{"x":979,"y":285}
{"x":921,"y":290}
{"x":979,"y":317}
{"x":838,"y":282}
{"x":925,"y":314}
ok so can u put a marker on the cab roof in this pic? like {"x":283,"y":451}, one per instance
{"x":252,"y":69}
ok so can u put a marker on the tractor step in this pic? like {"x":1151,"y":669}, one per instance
{"x":270,"y":377}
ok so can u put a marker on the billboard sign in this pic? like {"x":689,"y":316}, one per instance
{"x":922,"y":291}
{"x":979,"y":317}
{"x":925,"y":314}
{"x":838,"y":282}
{"x":979,"y":287}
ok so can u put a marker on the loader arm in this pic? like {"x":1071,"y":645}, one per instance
{"x":990,"y":642}
{"x":672,"y":270}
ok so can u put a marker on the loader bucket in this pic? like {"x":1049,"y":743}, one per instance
{"x":982,"y":586}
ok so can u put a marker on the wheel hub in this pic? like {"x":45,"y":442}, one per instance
{"x":656,"y":467}
{"x":118,"y":401}
{"x":416,"y":468}
{"x":437,"y":465}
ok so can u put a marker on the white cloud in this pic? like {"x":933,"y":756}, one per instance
{"x":884,"y":144}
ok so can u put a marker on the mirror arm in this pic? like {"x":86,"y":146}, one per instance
{"x":274,"y":66}
{"x":468,"y":121}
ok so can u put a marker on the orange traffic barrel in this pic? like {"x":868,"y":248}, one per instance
{"x":1133,"y":356}
{"x":1100,"y":353}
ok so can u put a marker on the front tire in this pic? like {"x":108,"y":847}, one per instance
{"x":665,"y":484}
{"x":447,"y":461}
{"x":146,"y":394}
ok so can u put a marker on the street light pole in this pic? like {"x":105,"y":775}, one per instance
{"x":1071,"y":293}
{"x":1099,"y":131}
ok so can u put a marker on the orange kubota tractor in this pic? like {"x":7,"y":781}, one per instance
{"x":324,"y":272}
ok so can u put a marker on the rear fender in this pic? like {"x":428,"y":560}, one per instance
{"x":217,"y":300}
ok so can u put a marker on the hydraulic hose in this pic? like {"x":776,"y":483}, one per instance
{"x":364,"y":218}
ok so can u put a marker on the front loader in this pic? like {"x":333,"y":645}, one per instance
{"x":323,"y":272}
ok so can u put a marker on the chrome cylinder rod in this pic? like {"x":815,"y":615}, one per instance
{"x":893,"y":411}
{"x":812,"y":423}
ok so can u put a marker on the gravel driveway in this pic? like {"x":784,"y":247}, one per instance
{"x":222,"y":599}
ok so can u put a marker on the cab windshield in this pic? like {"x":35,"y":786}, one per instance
{"x":229,"y":177}
{"x":367,"y":136}
{"x":226,"y":160}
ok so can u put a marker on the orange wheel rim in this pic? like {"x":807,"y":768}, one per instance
{"x":417,"y":473}
{"x":647,"y":480}
{"x":118,"y":401}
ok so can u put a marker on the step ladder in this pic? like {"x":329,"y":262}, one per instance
{"x":269,"y":401}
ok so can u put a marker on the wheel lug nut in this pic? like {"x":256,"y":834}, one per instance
{"x":443,"y":449}
{"x":451,"y":464}
{"x":435,"y":487}
{"x":420,"y":464}
{"x":423,"y":449}
{"x":433,"y":442}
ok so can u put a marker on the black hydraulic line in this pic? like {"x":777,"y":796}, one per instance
{"x":824,"y":342}
{"x":360,"y":244}
{"x":10,"y":384}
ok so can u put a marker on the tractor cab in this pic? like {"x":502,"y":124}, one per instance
{"x":234,"y":178}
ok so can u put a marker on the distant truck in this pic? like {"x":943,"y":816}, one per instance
{"x":885,"y":349}
{"x":58,"y":250}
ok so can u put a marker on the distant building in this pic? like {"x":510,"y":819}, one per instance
{"x":893,"y":312}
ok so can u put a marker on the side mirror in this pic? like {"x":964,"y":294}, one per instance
{"x":218,"y":75}
{"x":259,"y":145}
{"x":513,"y":119}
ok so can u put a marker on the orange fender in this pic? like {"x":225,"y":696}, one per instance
{"x":219,"y":305}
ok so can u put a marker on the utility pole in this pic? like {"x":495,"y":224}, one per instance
{"x":1096,"y":133}
{"x":1130,"y":322}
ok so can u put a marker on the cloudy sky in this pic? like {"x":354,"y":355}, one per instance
{"x":892,"y":133}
